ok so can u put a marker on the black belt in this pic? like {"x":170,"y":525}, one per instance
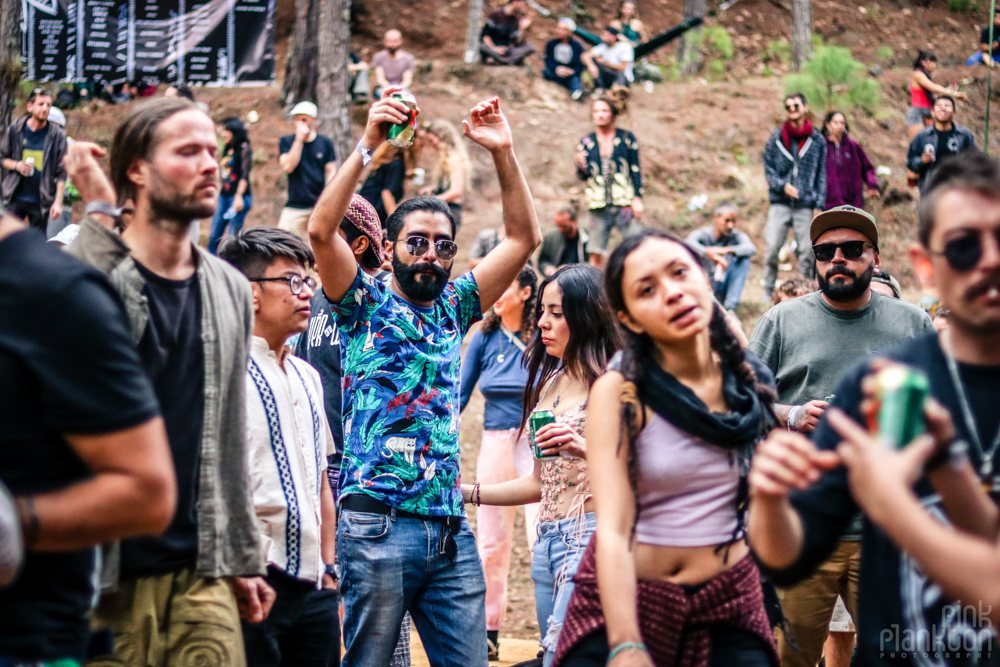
{"x":450,"y":525}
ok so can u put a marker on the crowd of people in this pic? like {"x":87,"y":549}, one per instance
{"x":248,"y":453}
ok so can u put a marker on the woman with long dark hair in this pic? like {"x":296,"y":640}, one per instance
{"x":235,"y":197}
{"x":850,"y":175}
{"x":495,"y":360}
{"x":668,"y":578}
{"x":574,"y":338}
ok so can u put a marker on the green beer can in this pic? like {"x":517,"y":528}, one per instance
{"x":536,"y":420}
{"x":901,"y":392}
{"x":402,"y":135}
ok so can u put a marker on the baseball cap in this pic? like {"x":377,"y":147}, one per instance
{"x":568,"y":23}
{"x":850,"y":217}
{"x":304,"y":109}
{"x":57,"y":116}
{"x":887,"y":279}
{"x":612,"y":30}
{"x":362,"y":215}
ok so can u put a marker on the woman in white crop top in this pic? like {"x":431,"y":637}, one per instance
{"x":574,"y":338}
{"x":670,"y":429}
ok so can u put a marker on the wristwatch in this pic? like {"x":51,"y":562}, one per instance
{"x":333,"y":571}
{"x":366,"y":155}
{"x":104,"y":208}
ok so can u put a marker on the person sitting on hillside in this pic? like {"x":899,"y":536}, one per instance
{"x":503,"y":39}
{"x":610,"y":62}
{"x":563,"y":60}
{"x":989,"y":50}
{"x":392,"y":65}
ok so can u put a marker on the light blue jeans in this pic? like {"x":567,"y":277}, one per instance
{"x":219,"y":222}
{"x":391,"y":564}
{"x":558,"y":552}
{"x":730,"y":290}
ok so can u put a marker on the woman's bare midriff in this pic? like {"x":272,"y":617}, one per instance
{"x":686,"y":565}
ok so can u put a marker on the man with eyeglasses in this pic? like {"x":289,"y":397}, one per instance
{"x":289,"y":441}
{"x":795,"y":169}
{"x":803,"y":501}
{"x":727,"y":253}
{"x":403,"y":537}
{"x":808,"y":343}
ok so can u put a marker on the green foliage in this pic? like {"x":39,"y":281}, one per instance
{"x":718,"y":42}
{"x":581,"y":14}
{"x":884,"y":53}
{"x":834,"y":79}
{"x":778,"y":51}
{"x":961,"y":6}
{"x":715,"y":70}
{"x":767,"y":71}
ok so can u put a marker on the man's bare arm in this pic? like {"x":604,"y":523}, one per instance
{"x":489,"y":128}
{"x":133,"y":491}
{"x":335,"y":260}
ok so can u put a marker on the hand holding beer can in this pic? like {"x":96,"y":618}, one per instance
{"x":536,"y":420}
{"x":900,"y":392}
{"x":30,"y":161}
{"x":402,"y":135}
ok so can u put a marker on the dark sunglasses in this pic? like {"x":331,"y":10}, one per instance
{"x":963,"y":253}
{"x":852,"y":250}
{"x":418,"y":247}
{"x":295,"y":283}
{"x":792,"y":107}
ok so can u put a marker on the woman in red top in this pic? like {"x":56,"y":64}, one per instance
{"x":923,"y":90}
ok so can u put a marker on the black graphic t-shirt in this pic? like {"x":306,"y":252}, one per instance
{"x":947,"y":144}
{"x":903,"y":619}
{"x":32,"y":150}
{"x":235,"y":166}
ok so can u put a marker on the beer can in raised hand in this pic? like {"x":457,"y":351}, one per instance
{"x":402,"y":135}
{"x":536,"y":420}
{"x":901,"y":392}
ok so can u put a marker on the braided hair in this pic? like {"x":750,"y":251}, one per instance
{"x":491,"y":321}
{"x":640,"y":351}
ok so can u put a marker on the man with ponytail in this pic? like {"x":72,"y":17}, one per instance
{"x":807,"y":343}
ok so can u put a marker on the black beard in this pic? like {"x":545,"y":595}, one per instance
{"x":422,"y":290}
{"x":842,"y":291}
{"x":392,"y":51}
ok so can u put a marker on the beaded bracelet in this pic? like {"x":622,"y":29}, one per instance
{"x":626,"y":646}
{"x":477,"y":495}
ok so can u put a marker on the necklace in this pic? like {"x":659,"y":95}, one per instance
{"x":555,"y":381}
{"x":986,"y":470}
{"x":512,"y":338}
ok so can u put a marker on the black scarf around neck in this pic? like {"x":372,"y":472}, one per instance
{"x":739,"y":429}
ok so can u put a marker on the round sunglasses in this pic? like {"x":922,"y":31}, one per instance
{"x":419,"y":245}
{"x":963,"y":253}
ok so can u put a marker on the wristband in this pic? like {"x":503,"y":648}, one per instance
{"x":626,"y":646}
{"x":792,"y":414}
{"x":955,"y":454}
{"x":332,"y":570}
{"x":366,"y":155}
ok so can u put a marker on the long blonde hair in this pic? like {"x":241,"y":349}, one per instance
{"x":450,"y":151}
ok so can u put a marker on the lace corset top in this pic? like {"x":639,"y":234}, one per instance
{"x":565,"y":481}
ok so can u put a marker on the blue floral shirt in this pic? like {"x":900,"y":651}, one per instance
{"x":401,"y":394}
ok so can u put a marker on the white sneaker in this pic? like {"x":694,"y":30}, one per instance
{"x":576,"y":94}
{"x":11,"y":544}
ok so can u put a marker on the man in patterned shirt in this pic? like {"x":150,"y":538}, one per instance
{"x":403,"y":537}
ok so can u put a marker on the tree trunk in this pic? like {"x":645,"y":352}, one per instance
{"x":802,"y":33}
{"x":689,"y":54}
{"x":10,"y":59}
{"x":301,"y":70}
{"x":472,"y":32}
{"x":333,"y":84}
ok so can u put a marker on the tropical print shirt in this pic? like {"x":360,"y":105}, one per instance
{"x":401,"y":394}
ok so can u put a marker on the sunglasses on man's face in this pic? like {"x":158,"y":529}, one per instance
{"x":418,"y":247}
{"x":963,"y":253}
{"x":851,"y":250}
{"x":792,"y":107}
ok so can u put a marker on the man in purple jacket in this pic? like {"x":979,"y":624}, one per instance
{"x":850,"y":176}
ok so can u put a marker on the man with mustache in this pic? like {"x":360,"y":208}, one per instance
{"x":808,"y":343}
{"x":404,"y":540}
{"x":289,"y":440}
{"x":191,"y":317}
{"x":803,"y":500}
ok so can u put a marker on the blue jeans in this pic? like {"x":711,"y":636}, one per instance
{"x":558,"y":552}
{"x":729,"y":291}
{"x":571,"y":83}
{"x":219,"y":222}
{"x":391,"y":564}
